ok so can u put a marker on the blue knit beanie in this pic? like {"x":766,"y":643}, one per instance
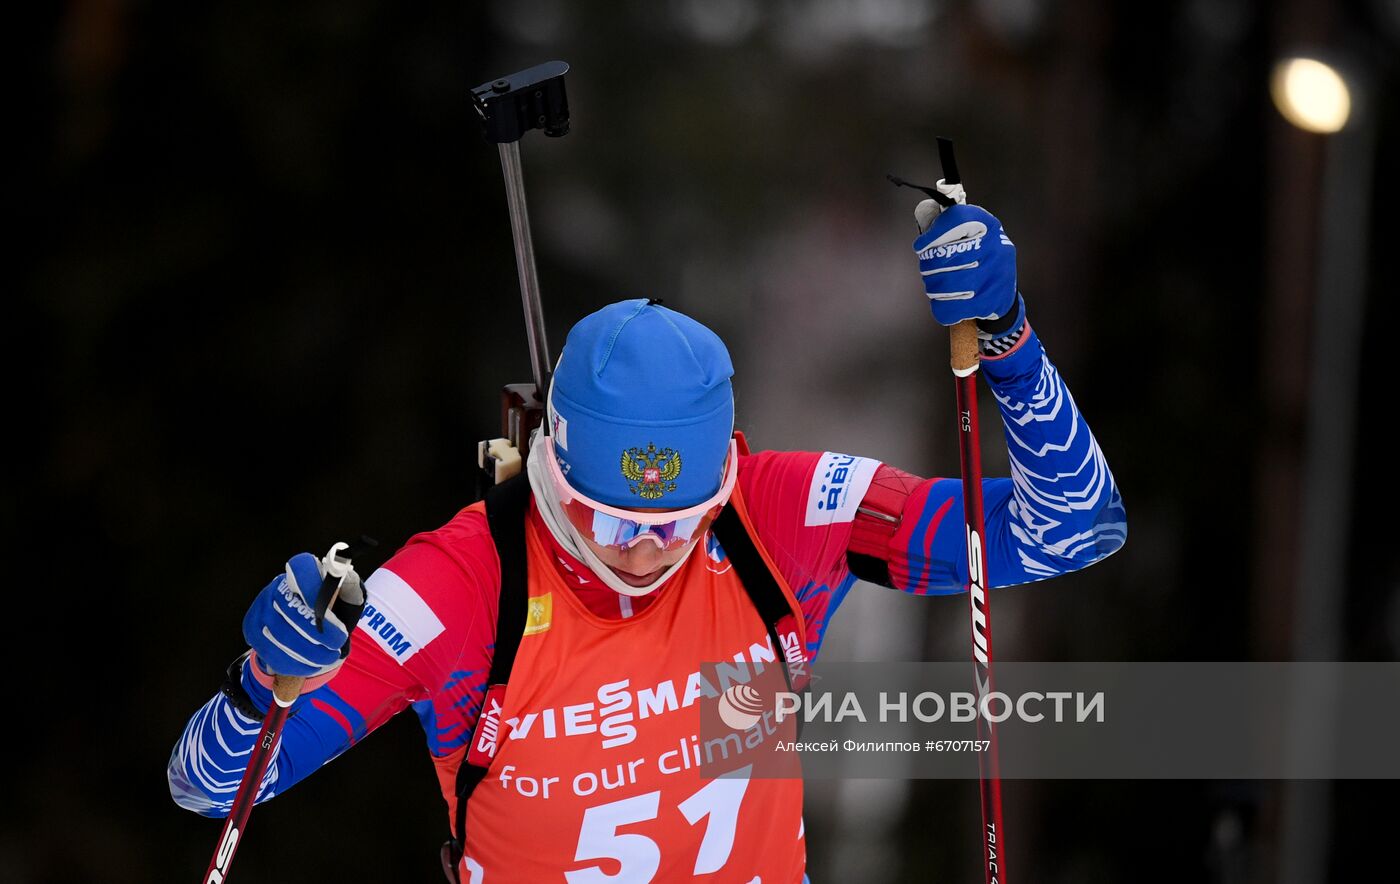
{"x":641,"y":407}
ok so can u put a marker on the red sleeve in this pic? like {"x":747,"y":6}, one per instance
{"x":895,"y":529}
{"x":426,"y":632}
{"x":803,"y":504}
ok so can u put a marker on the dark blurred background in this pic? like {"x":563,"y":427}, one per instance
{"x":267,"y":297}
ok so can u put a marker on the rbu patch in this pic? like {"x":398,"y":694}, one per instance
{"x":398,"y":620}
{"x":838,"y":485}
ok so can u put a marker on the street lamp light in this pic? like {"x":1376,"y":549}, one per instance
{"x":1311,"y":95}
{"x":1316,"y":98}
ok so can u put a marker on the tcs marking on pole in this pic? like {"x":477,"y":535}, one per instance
{"x":222,"y":856}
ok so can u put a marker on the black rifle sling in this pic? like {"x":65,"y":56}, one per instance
{"x":506,"y":507}
{"x":758,"y":581}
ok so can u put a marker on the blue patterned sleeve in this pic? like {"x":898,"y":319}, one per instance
{"x":1058,"y":512}
{"x":1063,"y":510}
{"x":208,"y":761}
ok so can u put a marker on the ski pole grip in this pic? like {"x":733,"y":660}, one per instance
{"x":286,"y":688}
{"x":963,"y":340}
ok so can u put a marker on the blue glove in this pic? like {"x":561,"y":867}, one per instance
{"x":281,"y":624}
{"x":968,"y":265}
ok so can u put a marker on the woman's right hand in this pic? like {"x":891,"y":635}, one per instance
{"x":281,"y":627}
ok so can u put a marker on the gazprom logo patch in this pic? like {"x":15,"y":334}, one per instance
{"x":393,"y":639}
{"x":838,"y":485}
{"x":396,"y":617}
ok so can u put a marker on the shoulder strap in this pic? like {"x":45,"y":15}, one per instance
{"x":762,"y":587}
{"x":506,"y":507}
{"x":753,"y":572}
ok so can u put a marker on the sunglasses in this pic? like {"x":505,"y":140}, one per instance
{"x":620,"y":529}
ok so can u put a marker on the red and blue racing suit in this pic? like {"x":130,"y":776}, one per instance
{"x":426,"y":636}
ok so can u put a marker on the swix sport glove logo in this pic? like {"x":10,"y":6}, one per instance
{"x":295,"y":601}
{"x":951,"y":249}
{"x":965,"y":237}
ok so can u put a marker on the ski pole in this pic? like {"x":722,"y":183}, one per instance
{"x":285,"y":690}
{"x":964,"y":347}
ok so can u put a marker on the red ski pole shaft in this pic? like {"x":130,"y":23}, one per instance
{"x":285,"y":690}
{"x":965,"y":362}
{"x":335,"y":567}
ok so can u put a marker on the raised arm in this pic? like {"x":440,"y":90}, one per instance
{"x":1060,"y":510}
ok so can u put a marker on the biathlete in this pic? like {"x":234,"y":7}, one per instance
{"x":615,"y":542}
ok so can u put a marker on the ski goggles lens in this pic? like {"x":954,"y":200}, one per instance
{"x":611,"y":531}
{"x":620,"y":529}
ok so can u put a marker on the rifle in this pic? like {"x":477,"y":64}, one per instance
{"x":510,"y":107}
